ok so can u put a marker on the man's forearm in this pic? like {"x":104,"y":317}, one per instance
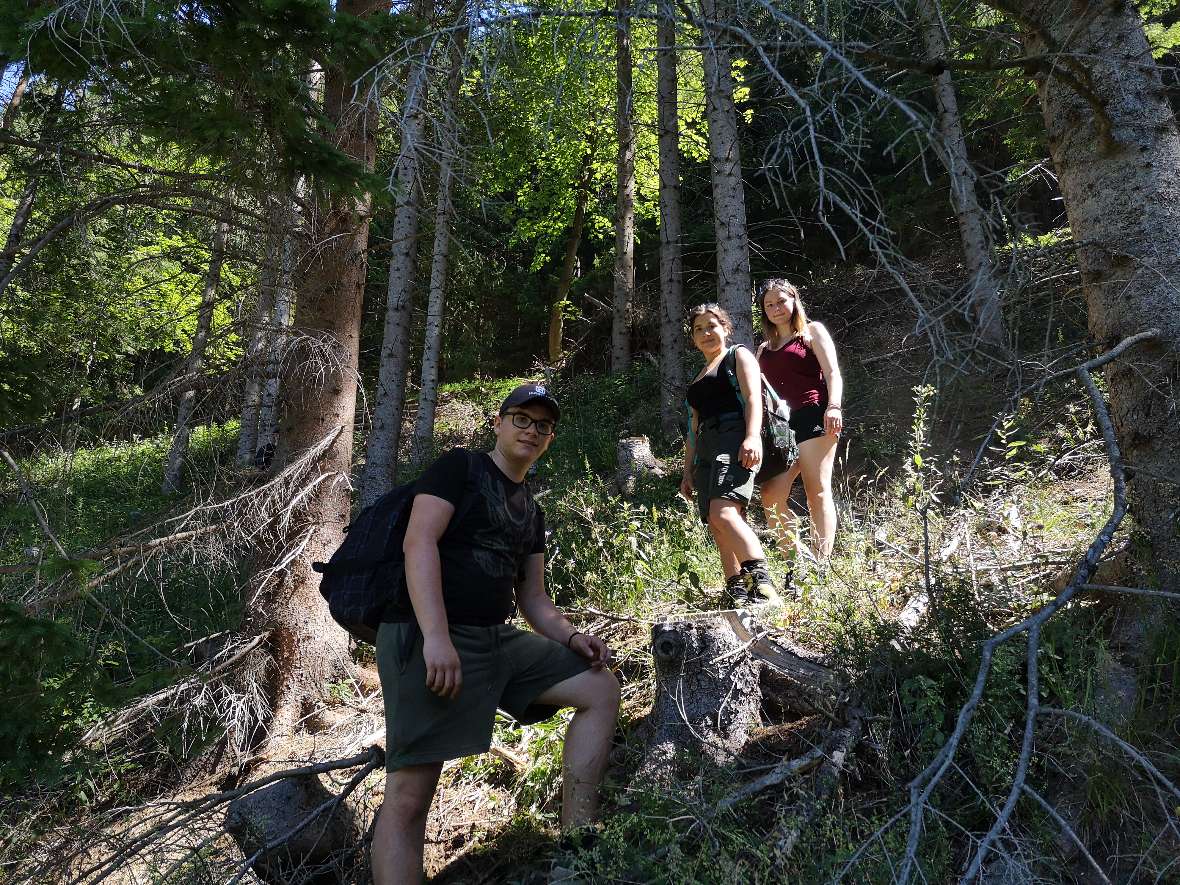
{"x":547,"y":619}
{"x":424,"y":582}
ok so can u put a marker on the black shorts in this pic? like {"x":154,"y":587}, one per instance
{"x":808,"y":423}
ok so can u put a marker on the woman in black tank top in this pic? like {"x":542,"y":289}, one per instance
{"x":722,"y":454}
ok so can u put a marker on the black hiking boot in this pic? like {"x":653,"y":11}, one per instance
{"x":735,"y":593}
{"x":753,"y":587}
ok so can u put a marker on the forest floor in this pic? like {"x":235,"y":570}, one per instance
{"x":996,"y":550}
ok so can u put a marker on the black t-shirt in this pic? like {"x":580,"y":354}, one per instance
{"x":481,"y":554}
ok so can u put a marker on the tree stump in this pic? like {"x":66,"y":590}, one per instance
{"x":635,"y":460}
{"x":708,"y":696}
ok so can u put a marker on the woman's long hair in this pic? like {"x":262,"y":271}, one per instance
{"x":717,"y":310}
{"x":798,"y":317}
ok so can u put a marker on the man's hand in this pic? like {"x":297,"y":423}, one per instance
{"x":593,"y":649}
{"x":686,"y":485}
{"x":444,"y":676}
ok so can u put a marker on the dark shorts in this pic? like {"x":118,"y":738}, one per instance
{"x":717,"y":471}
{"x":503,"y":668}
{"x":808,"y":423}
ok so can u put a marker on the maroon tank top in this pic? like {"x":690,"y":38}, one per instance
{"x":794,"y":372}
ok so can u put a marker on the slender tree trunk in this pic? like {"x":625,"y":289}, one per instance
{"x":20,"y":220}
{"x":280,"y":321}
{"x":423,"y":441}
{"x":196,"y":358}
{"x":1117,"y":155}
{"x":983,"y":296}
{"x":734,"y":288}
{"x":569,"y":264}
{"x":307,"y":650}
{"x":671,"y":268}
{"x":24,"y":204}
{"x":624,"y":278}
{"x":18,"y":93}
{"x":255,"y":356}
{"x":380,"y":473}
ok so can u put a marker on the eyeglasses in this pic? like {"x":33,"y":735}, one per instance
{"x":544,"y":426}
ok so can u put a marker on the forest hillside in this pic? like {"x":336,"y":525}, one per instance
{"x":261,"y":263}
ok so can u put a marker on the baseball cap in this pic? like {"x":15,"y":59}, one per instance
{"x":529,"y":393}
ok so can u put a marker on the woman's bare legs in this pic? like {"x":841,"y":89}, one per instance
{"x":735,"y":539}
{"x":817,"y":457}
{"x":776,"y":493}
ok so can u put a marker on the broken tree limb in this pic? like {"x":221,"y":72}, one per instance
{"x":839,"y":748}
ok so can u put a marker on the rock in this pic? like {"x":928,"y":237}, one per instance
{"x":268,"y":815}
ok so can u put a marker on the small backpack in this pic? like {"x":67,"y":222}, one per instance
{"x":776,"y":414}
{"x":366,"y":573}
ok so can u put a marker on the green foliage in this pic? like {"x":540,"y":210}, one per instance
{"x":59,"y":687}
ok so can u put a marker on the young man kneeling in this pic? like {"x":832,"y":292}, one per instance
{"x":448,"y":659}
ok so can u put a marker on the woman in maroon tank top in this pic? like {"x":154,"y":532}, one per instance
{"x":799,"y":361}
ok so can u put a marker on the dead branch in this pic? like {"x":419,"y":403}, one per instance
{"x":922,"y":787}
{"x":783,"y":770}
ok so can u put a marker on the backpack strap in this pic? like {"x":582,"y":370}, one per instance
{"x":729,"y":367}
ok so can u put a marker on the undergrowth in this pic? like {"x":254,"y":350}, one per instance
{"x":981,"y":555}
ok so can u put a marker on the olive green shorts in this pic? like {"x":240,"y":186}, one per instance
{"x":717,"y":470}
{"x":503,"y":668}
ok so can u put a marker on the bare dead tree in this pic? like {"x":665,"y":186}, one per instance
{"x":983,"y":289}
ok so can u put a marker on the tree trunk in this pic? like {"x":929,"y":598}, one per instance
{"x":983,"y":294}
{"x":671,"y":268}
{"x":20,"y":220}
{"x":707,"y":698}
{"x":196,"y":358}
{"x":624,"y":277}
{"x":307,"y":650}
{"x":381,"y":451}
{"x":280,"y":323}
{"x":423,"y":441}
{"x":569,"y":264}
{"x":255,"y":356}
{"x":24,"y":204}
{"x":1117,"y":154}
{"x":268,"y":418}
{"x":18,"y":93}
{"x":734,"y":288}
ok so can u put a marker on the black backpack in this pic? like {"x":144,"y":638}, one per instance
{"x":366,"y":573}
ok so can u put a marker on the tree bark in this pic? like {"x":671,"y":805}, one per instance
{"x":624,"y":276}
{"x":196,"y":358}
{"x":983,"y":294}
{"x":380,"y":473}
{"x":671,"y":266}
{"x":24,"y":204}
{"x":18,"y":94}
{"x":256,"y":350}
{"x":1115,"y":146}
{"x":305,"y":646}
{"x":734,"y":288}
{"x":423,"y":441}
{"x":569,"y":264}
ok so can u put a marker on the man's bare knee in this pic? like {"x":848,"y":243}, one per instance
{"x":408,"y":794}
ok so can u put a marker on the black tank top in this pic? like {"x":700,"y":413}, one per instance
{"x":713,"y":395}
